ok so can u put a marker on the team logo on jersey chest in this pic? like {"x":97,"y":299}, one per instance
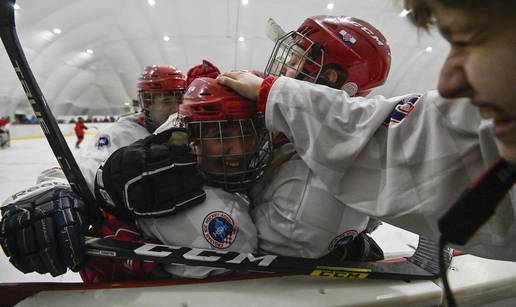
{"x":342,"y":239}
{"x":219,"y":229}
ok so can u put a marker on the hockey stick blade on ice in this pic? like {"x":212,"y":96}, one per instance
{"x":422,"y":265}
{"x":46,"y":120}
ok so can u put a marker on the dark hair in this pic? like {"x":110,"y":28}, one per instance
{"x":421,"y":11}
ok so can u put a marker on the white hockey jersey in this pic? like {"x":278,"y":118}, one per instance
{"x":294,"y":213}
{"x":404,"y":159}
{"x":123,"y":132}
{"x":221,"y":222}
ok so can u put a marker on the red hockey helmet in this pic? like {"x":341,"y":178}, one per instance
{"x":230,"y":138}
{"x":166,"y":82}
{"x":348,"y":43}
{"x":161,"y":80}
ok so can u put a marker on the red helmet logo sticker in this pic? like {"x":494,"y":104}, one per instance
{"x":347,"y":38}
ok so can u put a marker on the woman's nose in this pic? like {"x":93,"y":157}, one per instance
{"x":453,"y":81}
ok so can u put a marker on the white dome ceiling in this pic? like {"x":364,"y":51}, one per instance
{"x":127,"y":35}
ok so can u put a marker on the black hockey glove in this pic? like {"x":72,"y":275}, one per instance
{"x":44,"y":231}
{"x":150,"y":178}
{"x":362,"y":248}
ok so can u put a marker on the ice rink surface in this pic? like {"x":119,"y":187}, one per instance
{"x":24,"y":160}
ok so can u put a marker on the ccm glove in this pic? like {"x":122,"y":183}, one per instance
{"x":153,"y":177}
{"x":44,"y":231}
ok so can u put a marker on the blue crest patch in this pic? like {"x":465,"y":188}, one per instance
{"x":401,"y":110}
{"x":342,"y":239}
{"x":219,"y":229}
{"x":103,"y":141}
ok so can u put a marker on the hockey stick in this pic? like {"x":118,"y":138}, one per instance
{"x":46,"y":120}
{"x":422,"y":265}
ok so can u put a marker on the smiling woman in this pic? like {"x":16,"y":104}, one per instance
{"x":481,"y":62}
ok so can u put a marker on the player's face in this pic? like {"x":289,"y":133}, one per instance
{"x":481,"y":65}
{"x":294,"y":63}
{"x":227,"y":148}
{"x":163,"y":106}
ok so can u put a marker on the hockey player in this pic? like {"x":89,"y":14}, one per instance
{"x":5,"y":136}
{"x":232,"y":150}
{"x":160,"y":90}
{"x":406,"y":159}
{"x":50,"y":208}
{"x":79,"y":131}
{"x":294,"y":213}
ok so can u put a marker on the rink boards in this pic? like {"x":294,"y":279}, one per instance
{"x":474,"y":281}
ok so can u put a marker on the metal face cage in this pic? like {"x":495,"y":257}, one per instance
{"x":146,"y":98}
{"x":233,"y":154}
{"x":309,"y":57}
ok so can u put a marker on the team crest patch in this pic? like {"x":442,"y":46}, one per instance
{"x":219,"y":229}
{"x":347,"y":38}
{"x":401,"y":110}
{"x":342,"y":239}
{"x":103,"y":141}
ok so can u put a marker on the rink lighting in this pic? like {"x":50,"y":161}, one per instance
{"x":241,"y":39}
{"x":330,"y":6}
{"x":89,"y":51}
{"x":56,"y":31}
{"x":166,"y":38}
{"x":404,"y":13}
{"x":245,"y":2}
{"x":429,"y":49}
{"x":151,"y":2}
{"x":16,"y":6}
{"x":47,"y":35}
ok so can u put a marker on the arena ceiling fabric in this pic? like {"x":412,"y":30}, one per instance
{"x":88,"y":54}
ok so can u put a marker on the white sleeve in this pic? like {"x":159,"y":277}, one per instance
{"x":89,"y":157}
{"x":403,"y":159}
{"x":123,"y":133}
